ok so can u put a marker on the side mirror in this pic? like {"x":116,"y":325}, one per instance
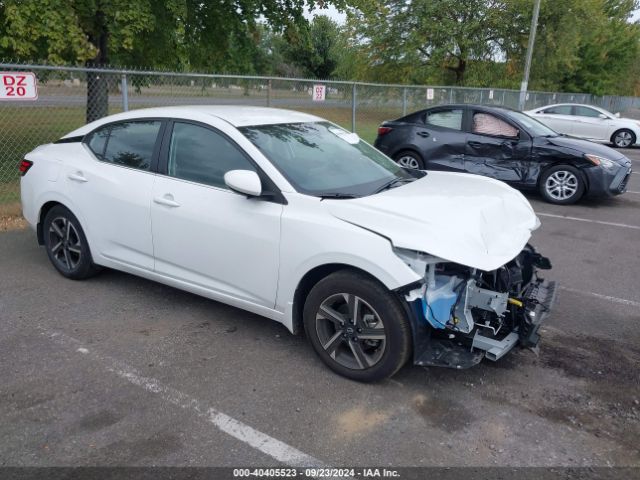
{"x":617,"y":114}
{"x":602,"y":116}
{"x":244,"y":182}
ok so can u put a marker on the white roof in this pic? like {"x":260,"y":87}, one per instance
{"x":238,"y":116}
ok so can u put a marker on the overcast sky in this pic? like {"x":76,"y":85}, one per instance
{"x":340,"y":17}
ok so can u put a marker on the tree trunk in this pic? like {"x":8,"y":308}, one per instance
{"x":462,"y":66}
{"x":97,"y":83}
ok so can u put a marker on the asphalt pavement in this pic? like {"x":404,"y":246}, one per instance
{"x":118,"y":370}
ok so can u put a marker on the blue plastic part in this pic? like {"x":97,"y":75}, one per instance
{"x":438,"y":302}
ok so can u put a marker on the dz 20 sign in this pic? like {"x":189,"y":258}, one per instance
{"x":18,"y":86}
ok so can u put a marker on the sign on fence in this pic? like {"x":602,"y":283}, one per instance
{"x":430,"y":94}
{"x":319,"y":92}
{"x":18,"y":86}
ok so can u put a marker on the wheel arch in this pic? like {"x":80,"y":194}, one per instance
{"x":44,"y":209}
{"x":309,"y":280}
{"x":580,"y":168}
{"x":617,"y":130}
{"x":407,"y":148}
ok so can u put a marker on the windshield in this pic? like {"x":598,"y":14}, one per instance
{"x":534,"y":127}
{"x":322,"y":159}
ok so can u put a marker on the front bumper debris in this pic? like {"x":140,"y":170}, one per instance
{"x":459,"y":348}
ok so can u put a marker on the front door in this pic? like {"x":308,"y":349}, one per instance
{"x":205,"y":234}
{"x":589,"y":123}
{"x":496,"y":148}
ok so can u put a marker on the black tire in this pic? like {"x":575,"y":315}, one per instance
{"x":380,"y":315}
{"x":562,"y":185}
{"x":409,"y":159}
{"x":623,"y":138}
{"x":66,"y":244}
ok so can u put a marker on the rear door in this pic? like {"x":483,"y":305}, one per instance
{"x":559,"y":118}
{"x":497,"y":148}
{"x":111,"y":188}
{"x":442,"y":139}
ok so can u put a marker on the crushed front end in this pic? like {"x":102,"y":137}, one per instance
{"x":461,"y":315}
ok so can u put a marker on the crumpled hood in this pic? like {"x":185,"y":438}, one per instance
{"x":462,"y":218}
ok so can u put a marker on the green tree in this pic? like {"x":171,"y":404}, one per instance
{"x":190,"y":34}
{"x":311,"y":49}
{"x":426,"y":38}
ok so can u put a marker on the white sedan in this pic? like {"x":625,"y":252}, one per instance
{"x":589,"y":122}
{"x":289,"y":216}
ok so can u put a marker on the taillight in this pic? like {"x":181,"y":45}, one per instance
{"x":384,"y":130}
{"x":24,"y":167}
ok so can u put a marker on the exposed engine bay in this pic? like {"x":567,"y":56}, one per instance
{"x":464,"y":314}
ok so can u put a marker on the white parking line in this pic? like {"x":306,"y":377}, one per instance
{"x":631,"y":191}
{"x":622,"y":301}
{"x":600,"y":222}
{"x":254,"y":438}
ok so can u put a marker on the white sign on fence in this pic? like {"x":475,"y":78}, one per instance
{"x":490,"y":94}
{"x":319,"y":93}
{"x":430,"y":94}
{"x":18,"y":86}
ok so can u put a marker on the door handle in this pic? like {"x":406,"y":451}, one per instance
{"x":475,"y":144}
{"x":166,"y":200}
{"x":77,"y":177}
{"x":422,"y":134}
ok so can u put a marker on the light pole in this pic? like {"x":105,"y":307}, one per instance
{"x":527,"y":65}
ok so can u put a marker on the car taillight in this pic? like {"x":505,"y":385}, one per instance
{"x":384,"y":130}
{"x":24,"y":167}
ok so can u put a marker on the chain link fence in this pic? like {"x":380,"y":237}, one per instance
{"x":62,"y":103}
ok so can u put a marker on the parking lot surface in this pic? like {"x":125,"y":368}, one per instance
{"x":118,"y":370}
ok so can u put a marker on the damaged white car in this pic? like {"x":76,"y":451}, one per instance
{"x":293,"y":218}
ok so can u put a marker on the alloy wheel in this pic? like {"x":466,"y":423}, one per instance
{"x":408,"y":161}
{"x":64,"y":243}
{"x":561,"y":185}
{"x":350,"y":331}
{"x":623,"y":139}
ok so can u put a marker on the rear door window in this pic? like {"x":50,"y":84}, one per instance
{"x":558,"y":110}
{"x":130,"y":144}
{"x":449,"y":118}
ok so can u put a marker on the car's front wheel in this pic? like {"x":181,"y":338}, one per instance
{"x":409,"y":159}
{"x":66,"y":244}
{"x":562,"y":184}
{"x":623,"y":138}
{"x":357,"y":327}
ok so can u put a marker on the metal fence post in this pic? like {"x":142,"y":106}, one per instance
{"x":353,"y":108}
{"x":404,"y":101}
{"x":269,"y":93}
{"x":125,"y":93}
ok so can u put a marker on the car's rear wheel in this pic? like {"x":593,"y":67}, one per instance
{"x":623,"y":138}
{"x":562,"y":184}
{"x":357,"y":327}
{"x":67,"y":245}
{"x":409,"y":159}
